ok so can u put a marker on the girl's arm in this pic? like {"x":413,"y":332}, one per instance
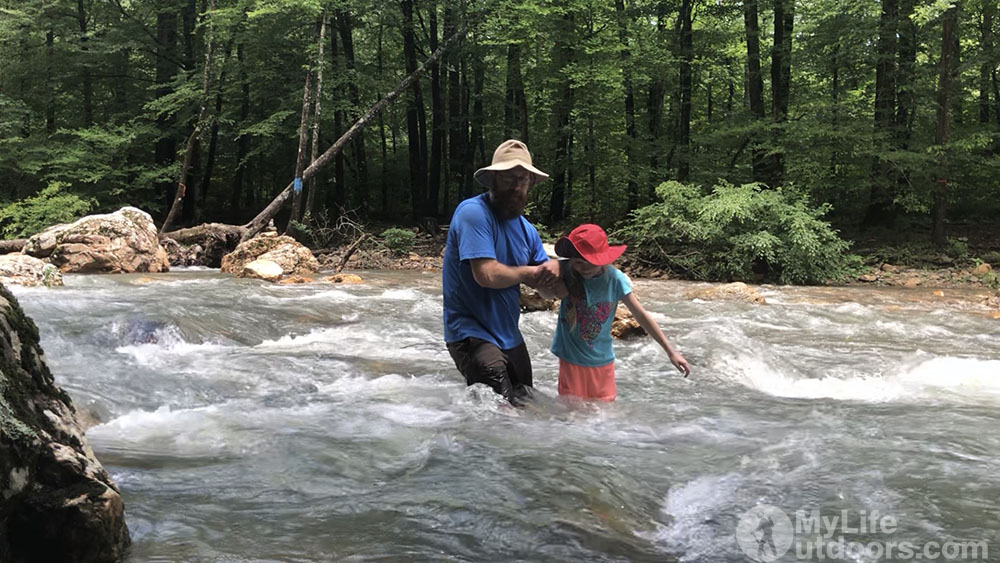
{"x":649,"y":325}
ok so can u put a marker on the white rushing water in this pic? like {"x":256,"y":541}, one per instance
{"x":253,"y":422}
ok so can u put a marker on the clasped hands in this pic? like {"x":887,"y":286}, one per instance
{"x":546,"y":275}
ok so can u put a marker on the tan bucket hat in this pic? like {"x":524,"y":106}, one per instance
{"x":510,"y":154}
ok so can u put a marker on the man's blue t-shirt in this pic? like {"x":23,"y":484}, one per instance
{"x":583,"y":333}
{"x":471,"y":310}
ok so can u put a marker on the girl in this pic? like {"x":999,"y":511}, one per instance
{"x":590,"y":289}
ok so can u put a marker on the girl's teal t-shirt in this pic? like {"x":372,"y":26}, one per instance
{"x":583,"y":332}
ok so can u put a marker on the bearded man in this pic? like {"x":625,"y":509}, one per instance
{"x":491,"y":250}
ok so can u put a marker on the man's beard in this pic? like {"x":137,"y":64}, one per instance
{"x":509,"y":207}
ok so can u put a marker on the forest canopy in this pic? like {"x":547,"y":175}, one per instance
{"x":882,"y":115}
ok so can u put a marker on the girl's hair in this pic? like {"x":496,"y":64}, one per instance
{"x":574,"y":284}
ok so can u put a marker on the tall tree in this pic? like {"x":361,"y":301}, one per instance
{"x":562,"y":59}
{"x":684,"y":82}
{"x":755,"y":86}
{"x":906,"y":76}
{"x":515,"y":122}
{"x":345,"y":23}
{"x":166,"y":69}
{"x":631,"y":136}
{"x":781,"y":72}
{"x":942,"y":130}
{"x":654,"y":105}
{"x":85,"y":82}
{"x":416,"y":132}
{"x":988,"y":65}
{"x":880,"y":200}
{"x":437,"y":120}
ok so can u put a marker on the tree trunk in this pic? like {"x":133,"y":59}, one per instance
{"x":457,"y":133}
{"x":302,"y":153}
{"x":346,"y":25}
{"x":193,"y":139}
{"x":85,"y":80}
{"x":381,"y":129}
{"x":988,"y":65}
{"x":262,"y":218}
{"x":654,"y":108}
{"x":781,"y":72}
{"x":632,"y":197}
{"x":684,"y":121}
{"x":166,"y":54}
{"x":880,"y":201}
{"x":313,"y":185}
{"x":755,"y":85}
{"x":905,"y":79}
{"x":337,"y":197}
{"x":243,"y":143}
{"x":213,"y":142}
{"x":562,"y":56}
{"x":437,"y":122}
{"x":50,"y":94}
{"x":515,"y":123}
{"x":942,"y":131}
{"x":478,"y":85}
{"x":414,"y":111}
{"x":469,"y":155}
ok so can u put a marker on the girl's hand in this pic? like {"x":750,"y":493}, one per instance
{"x":680,"y":363}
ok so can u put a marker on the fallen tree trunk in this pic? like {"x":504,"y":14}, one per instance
{"x":194,"y":235}
{"x":9,"y":246}
{"x":258,"y":222}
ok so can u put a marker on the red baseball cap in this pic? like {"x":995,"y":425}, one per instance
{"x":589,"y":242}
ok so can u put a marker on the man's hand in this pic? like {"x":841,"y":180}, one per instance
{"x":680,"y":363}
{"x":546,"y":274}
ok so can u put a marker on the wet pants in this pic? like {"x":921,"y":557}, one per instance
{"x":507,"y":372}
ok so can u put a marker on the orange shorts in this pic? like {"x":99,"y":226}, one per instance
{"x":587,"y":382}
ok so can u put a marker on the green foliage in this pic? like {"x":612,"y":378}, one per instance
{"x":53,"y":205}
{"x":738,"y":233}
{"x":399,"y":241}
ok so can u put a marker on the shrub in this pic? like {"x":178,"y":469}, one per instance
{"x":51,"y":206}
{"x":739,"y":233}
{"x":399,"y":241}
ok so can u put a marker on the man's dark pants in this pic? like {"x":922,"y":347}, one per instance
{"x":507,"y":372}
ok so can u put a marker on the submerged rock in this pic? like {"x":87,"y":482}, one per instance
{"x":344,"y":278}
{"x":736,"y":291}
{"x":121,"y":242}
{"x":27,"y":270}
{"x":59,"y":504}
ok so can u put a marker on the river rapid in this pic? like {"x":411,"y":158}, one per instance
{"x":245,"y":421}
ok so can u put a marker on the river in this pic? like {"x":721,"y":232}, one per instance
{"x":252,"y":422}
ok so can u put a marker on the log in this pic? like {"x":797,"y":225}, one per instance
{"x":10,"y":246}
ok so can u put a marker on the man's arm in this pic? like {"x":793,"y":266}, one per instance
{"x":492,"y":274}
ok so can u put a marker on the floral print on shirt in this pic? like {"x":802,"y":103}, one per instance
{"x":591,"y":317}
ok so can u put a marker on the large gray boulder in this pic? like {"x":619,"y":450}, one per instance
{"x":121,"y":242}
{"x":57,"y":503}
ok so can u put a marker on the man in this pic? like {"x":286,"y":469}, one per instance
{"x":491,"y":250}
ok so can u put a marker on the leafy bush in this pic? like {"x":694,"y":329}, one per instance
{"x":51,"y":206}
{"x":739,"y":233}
{"x":399,"y":241}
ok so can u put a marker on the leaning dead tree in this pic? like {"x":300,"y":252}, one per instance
{"x":258,"y":222}
{"x":193,"y":139}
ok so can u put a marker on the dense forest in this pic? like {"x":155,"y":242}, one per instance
{"x":867,"y":115}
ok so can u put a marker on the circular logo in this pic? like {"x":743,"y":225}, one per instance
{"x":764,"y":533}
